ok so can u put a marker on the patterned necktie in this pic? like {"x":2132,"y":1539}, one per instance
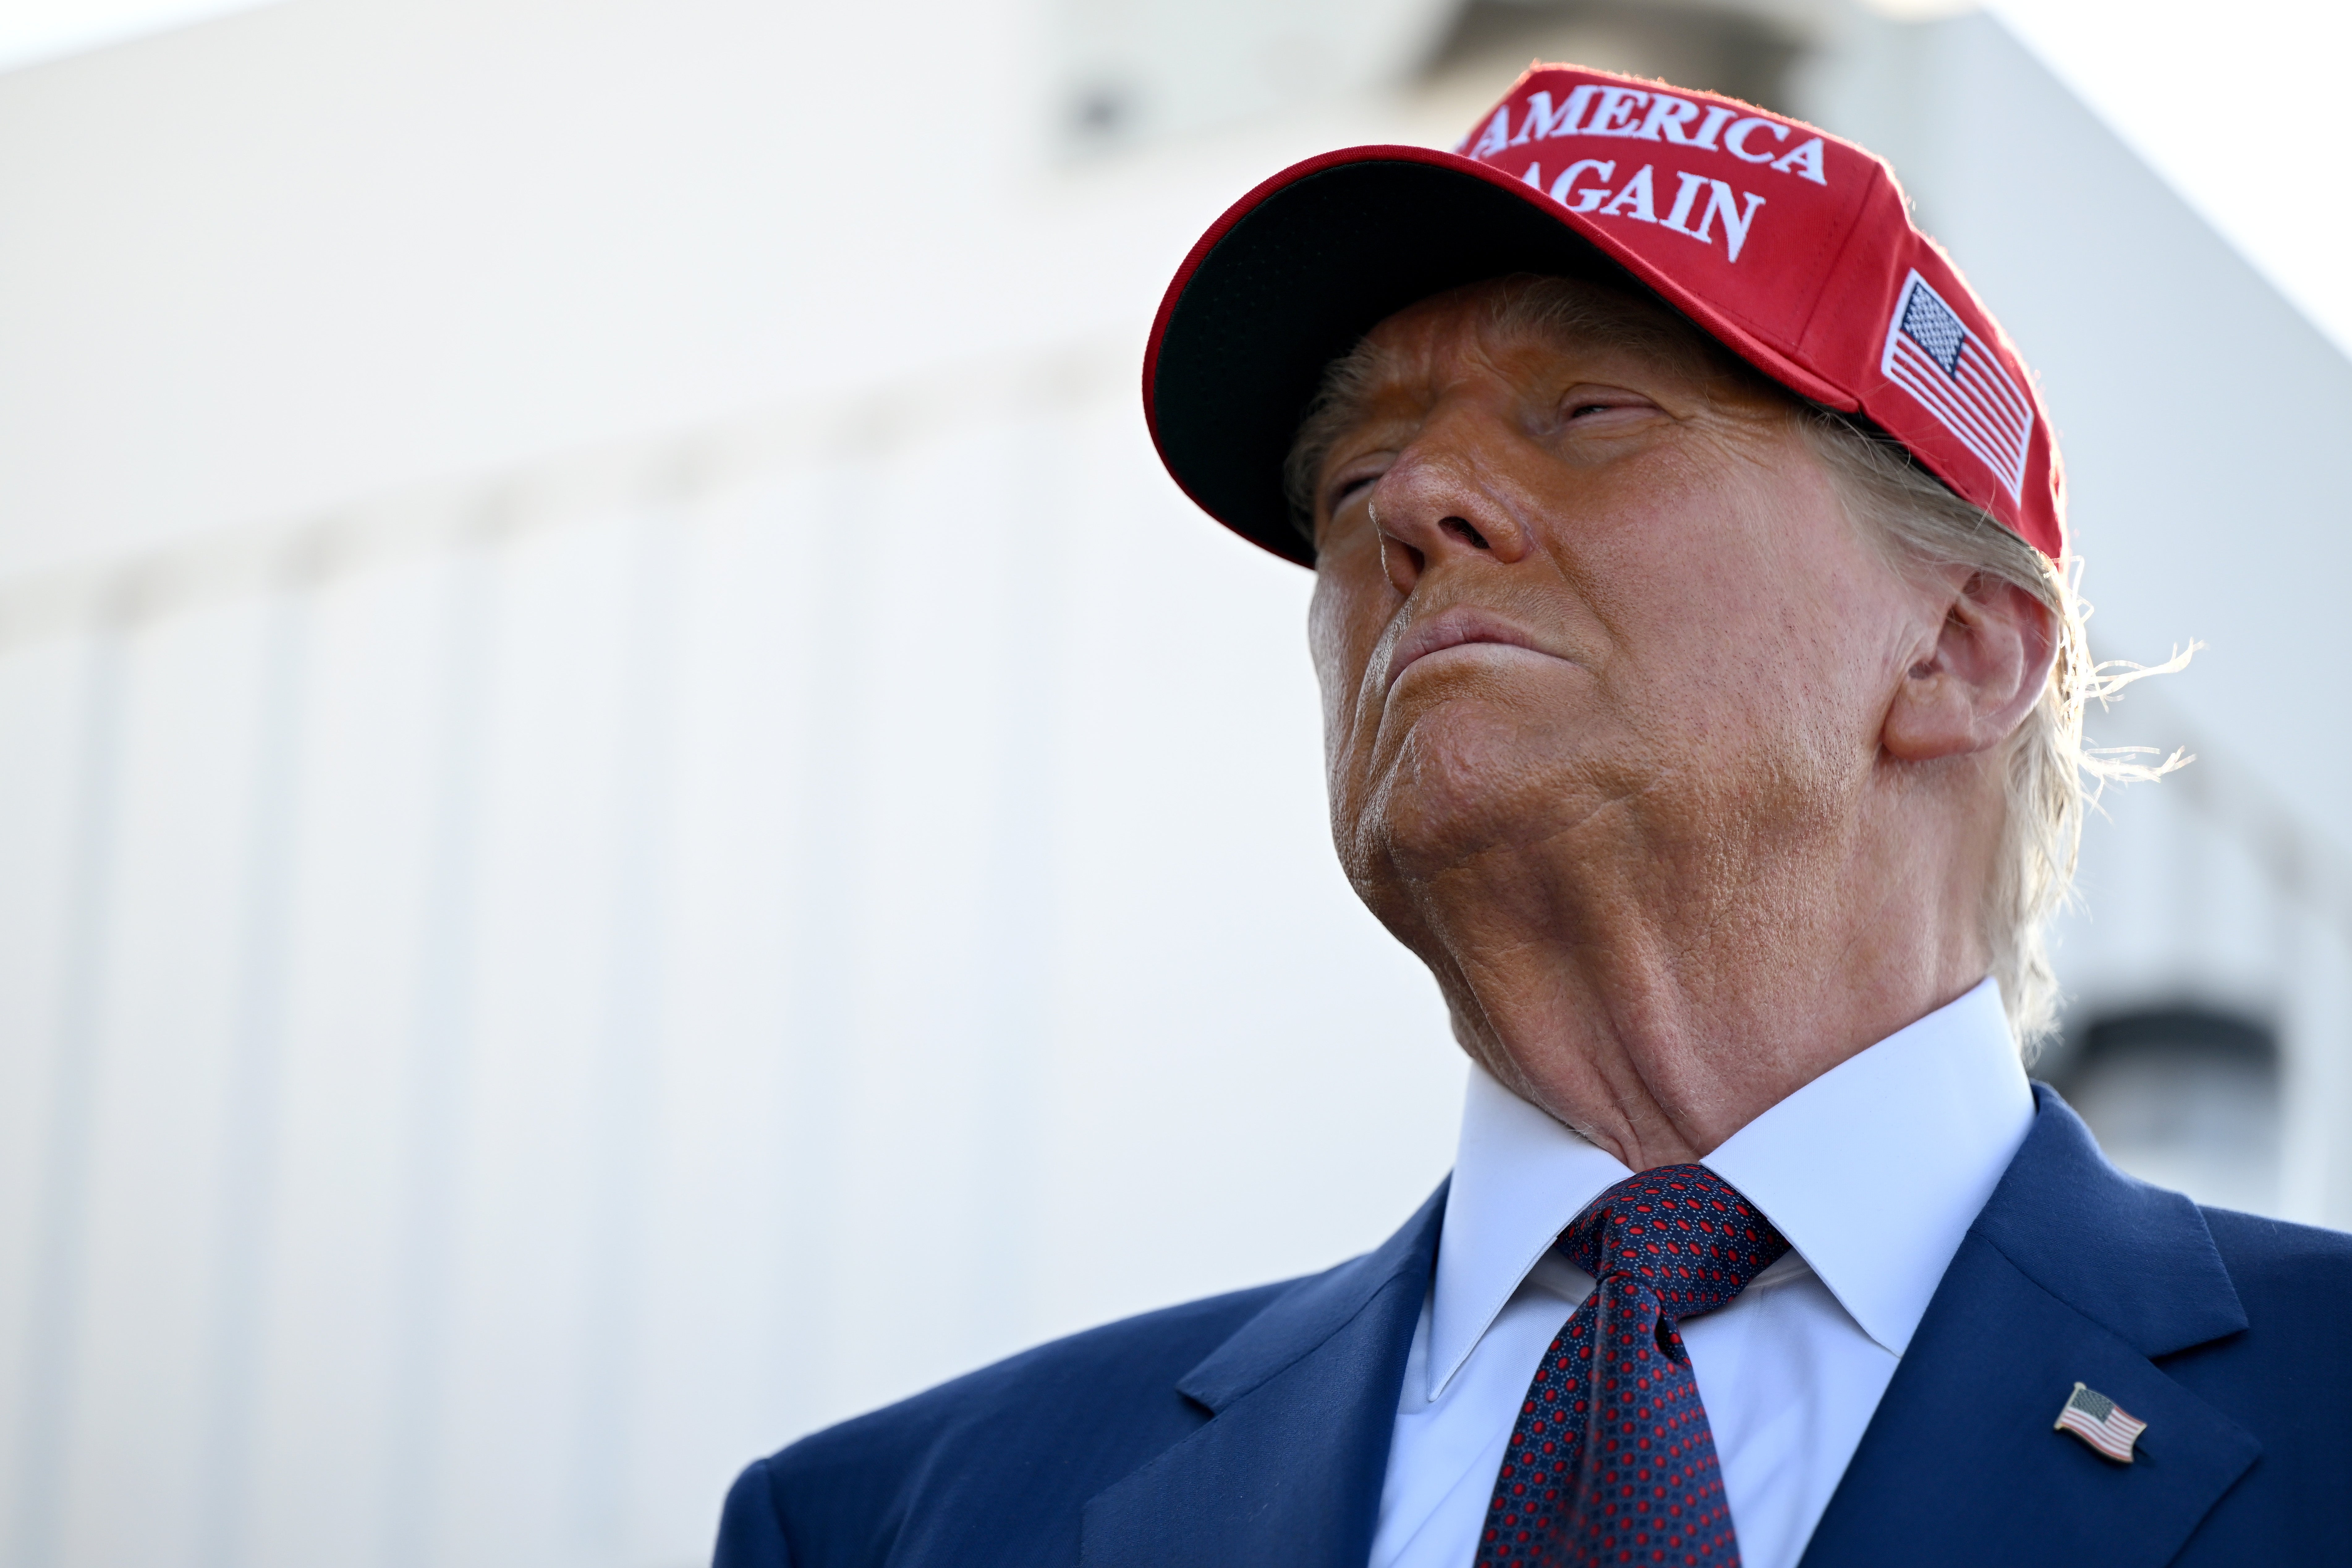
{"x":1612,"y":1460}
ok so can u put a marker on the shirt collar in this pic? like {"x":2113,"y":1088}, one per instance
{"x":1873,"y":1170}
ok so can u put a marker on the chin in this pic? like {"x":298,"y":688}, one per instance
{"x":1470,"y":778}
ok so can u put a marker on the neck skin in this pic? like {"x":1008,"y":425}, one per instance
{"x":1657,"y":992}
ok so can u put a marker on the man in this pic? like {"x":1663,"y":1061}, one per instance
{"x":1702,"y":703}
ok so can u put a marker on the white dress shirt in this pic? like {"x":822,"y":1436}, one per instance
{"x":1873,"y":1172}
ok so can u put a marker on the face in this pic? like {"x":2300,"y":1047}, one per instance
{"x":1587,"y":590}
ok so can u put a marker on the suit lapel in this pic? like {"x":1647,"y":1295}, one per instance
{"x":1303,"y":1399}
{"x":2072,"y":1273}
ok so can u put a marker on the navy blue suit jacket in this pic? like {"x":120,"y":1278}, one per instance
{"x":1254,"y":1428}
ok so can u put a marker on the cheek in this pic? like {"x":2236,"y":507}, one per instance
{"x":1327,"y":648}
{"x":1747,"y":613}
{"x":1797,"y":654}
{"x":1343,"y":625}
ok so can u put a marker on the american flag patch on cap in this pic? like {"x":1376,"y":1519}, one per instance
{"x":1931,"y":355}
{"x":2101,"y":1422}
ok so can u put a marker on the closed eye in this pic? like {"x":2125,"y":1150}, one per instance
{"x":1600,"y":409}
{"x":1347,"y":489}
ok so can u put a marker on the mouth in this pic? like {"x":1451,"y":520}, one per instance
{"x":1463,"y":626}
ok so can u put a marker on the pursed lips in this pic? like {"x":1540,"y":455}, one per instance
{"x":1455,"y":628}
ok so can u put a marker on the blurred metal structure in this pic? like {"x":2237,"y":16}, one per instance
{"x":529,"y":989}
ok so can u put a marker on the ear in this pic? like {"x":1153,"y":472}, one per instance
{"x":1970,"y":689}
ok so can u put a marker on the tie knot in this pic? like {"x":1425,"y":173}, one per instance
{"x":1682,"y":1230}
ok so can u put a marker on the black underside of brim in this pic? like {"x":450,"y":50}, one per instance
{"x":1295,"y":285}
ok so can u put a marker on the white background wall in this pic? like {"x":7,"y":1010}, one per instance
{"x":538,"y":1019}
{"x":535,"y":991}
{"x":632,"y":819}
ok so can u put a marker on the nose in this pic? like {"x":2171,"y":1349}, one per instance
{"x":1431,"y":508}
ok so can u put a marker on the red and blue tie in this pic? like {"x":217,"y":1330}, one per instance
{"x":1610,"y":1460}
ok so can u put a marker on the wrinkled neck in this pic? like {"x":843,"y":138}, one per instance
{"x":1656,"y":998}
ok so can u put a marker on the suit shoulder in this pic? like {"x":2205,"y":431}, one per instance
{"x":2282,"y":1379}
{"x":2274,"y":1262}
{"x":1036,"y":1431}
{"x":2294,"y":1284}
{"x":1104,"y":1366}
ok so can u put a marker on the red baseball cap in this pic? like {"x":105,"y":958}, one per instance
{"x":1790,"y":248}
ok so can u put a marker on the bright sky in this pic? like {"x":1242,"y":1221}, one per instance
{"x":2234,"y":103}
{"x":33,"y":30}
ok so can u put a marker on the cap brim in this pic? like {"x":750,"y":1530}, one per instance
{"x":1299,"y":270}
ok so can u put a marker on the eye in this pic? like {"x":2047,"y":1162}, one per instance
{"x":1608,"y":405}
{"x":1347,"y":488}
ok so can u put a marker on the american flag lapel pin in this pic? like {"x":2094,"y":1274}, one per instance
{"x":2101,"y":1422}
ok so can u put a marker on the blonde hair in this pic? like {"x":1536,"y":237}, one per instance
{"x":2054,"y":778}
